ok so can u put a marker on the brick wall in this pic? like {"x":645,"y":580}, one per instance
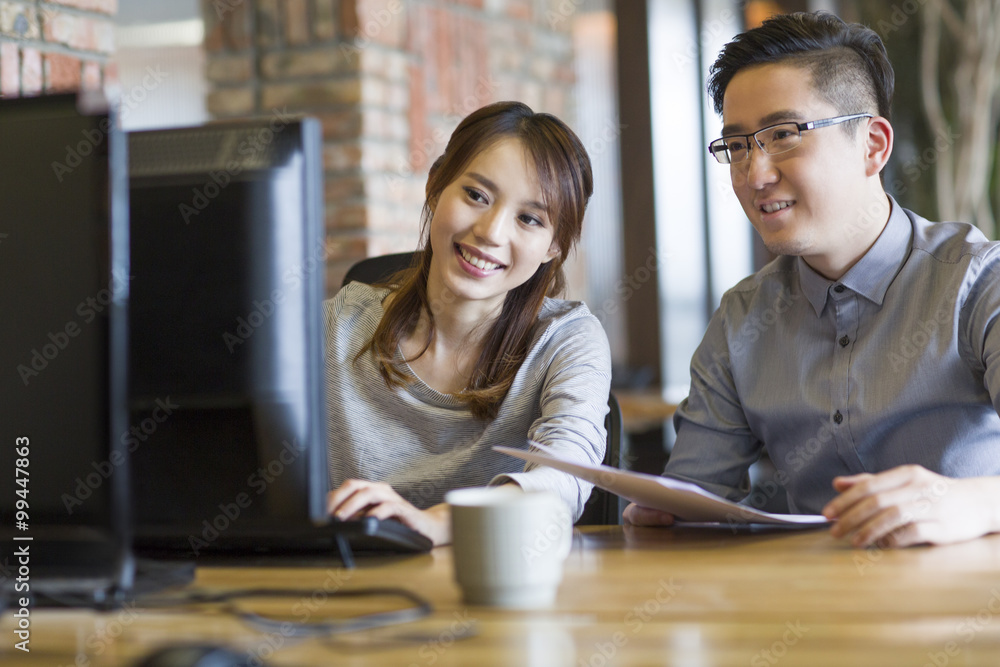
{"x":389,"y":79}
{"x":54,"y":45}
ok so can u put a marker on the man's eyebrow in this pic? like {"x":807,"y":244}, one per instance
{"x":490,"y":185}
{"x":783,"y":116}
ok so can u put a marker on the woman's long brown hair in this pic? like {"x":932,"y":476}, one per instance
{"x":565,"y":177}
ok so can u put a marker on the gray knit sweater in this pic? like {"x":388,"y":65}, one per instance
{"x":424,"y":443}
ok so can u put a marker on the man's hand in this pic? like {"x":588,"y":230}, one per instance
{"x":644,"y":516}
{"x":356,"y":499}
{"x":911,"y":505}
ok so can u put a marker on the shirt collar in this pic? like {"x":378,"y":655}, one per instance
{"x":873,"y":273}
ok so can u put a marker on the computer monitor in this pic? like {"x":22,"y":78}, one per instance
{"x":226,"y":338}
{"x":63,"y":290}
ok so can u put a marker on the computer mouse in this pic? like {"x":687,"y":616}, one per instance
{"x":195,"y":655}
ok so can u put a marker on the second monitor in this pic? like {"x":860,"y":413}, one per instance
{"x":226,"y":343}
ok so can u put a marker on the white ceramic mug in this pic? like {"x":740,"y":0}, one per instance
{"x":509,"y":545}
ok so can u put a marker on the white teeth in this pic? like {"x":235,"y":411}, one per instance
{"x":776,"y":206}
{"x":478,"y":263}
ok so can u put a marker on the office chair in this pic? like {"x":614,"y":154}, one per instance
{"x":602,"y":507}
{"x":379,"y":268}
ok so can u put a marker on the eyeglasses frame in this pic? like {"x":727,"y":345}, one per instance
{"x":802,"y":127}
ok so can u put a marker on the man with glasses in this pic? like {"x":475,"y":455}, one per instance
{"x":865,"y":356}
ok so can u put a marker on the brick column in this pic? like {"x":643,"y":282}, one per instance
{"x":54,"y":45}
{"x":390,"y":80}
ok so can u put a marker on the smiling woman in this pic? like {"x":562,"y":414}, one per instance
{"x":469,"y":349}
{"x":490,"y":232}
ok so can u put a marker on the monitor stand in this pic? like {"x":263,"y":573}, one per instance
{"x":81,"y":568}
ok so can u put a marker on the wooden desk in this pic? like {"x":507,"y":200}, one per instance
{"x":630,"y":596}
{"x":643,"y":410}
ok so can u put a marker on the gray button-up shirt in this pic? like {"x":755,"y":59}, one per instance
{"x":898,"y":362}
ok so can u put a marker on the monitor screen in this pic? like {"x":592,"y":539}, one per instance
{"x":63,"y":291}
{"x":226,"y":338}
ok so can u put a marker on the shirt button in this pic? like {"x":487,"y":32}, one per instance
{"x":844,"y":340}
{"x":839,"y":288}
{"x":837,"y":417}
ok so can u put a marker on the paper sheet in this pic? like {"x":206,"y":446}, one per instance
{"x":687,"y":502}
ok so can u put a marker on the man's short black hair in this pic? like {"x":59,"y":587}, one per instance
{"x":848,"y":62}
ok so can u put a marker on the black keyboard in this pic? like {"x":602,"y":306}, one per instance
{"x":342,"y":538}
{"x":367,"y":535}
{"x":371,"y":534}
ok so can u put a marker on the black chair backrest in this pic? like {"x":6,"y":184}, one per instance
{"x":603,"y":507}
{"x":380,"y":268}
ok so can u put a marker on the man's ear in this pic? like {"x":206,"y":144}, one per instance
{"x":878,"y":144}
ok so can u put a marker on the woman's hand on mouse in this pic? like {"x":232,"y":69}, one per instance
{"x":357,"y":498}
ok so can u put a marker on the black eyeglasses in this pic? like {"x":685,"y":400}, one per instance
{"x":773,"y":139}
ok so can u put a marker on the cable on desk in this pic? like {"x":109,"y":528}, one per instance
{"x":229,"y":601}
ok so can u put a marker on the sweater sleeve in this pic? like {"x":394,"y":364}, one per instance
{"x":575,"y":384}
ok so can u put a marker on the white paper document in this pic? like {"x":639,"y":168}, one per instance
{"x":687,"y":502}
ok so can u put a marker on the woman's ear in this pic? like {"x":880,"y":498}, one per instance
{"x":553,"y":251}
